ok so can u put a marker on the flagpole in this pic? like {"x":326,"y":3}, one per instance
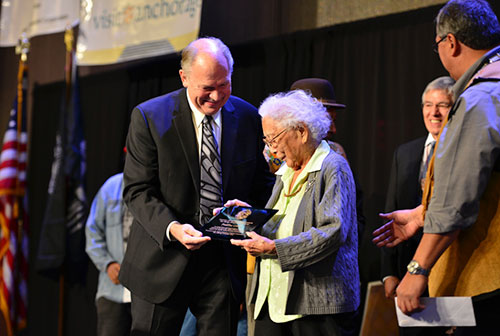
{"x":68,"y":41}
{"x":18,"y":212}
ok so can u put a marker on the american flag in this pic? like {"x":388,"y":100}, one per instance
{"x":13,"y":219}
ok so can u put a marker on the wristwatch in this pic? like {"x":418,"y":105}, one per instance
{"x":414,"y":268}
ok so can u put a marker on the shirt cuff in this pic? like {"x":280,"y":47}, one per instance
{"x":167,"y":232}
{"x":387,"y":277}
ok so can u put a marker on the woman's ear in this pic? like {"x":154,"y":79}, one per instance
{"x":304,"y":132}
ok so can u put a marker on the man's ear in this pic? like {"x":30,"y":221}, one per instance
{"x":184,"y":78}
{"x":454,"y":44}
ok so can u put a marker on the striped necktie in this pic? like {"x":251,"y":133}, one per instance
{"x":210,"y":174}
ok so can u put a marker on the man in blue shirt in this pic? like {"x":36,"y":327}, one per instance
{"x":107,"y":230}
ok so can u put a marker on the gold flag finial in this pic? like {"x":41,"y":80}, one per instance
{"x":68,"y":38}
{"x":23,"y":46}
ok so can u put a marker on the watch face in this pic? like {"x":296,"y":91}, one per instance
{"x":414,"y":268}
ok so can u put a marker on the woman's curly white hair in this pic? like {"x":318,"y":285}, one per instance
{"x":297,"y":107}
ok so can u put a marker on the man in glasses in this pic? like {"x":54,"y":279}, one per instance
{"x":409,"y":166}
{"x":458,"y":253}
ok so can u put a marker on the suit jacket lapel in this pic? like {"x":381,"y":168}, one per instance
{"x":229,"y":132}
{"x":183,"y":123}
{"x":415,"y":157}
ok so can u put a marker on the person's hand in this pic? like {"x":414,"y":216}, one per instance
{"x":390,"y":284}
{"x":401,"y":225}
{"x":257,"y":245}
{"x":188,"y":236}
{"x":409,"y":291}
{"x":236,"y":202}
{"x":230,"y":203}
{"x":113,"y":269}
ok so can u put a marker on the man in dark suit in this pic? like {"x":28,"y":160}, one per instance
{"x":169,"y":265}
{"x":405,"y":184}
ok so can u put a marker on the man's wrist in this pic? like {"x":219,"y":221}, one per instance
{"x":389,"y":276}
{"x":170,"y":237}
{"x":420,"y":209}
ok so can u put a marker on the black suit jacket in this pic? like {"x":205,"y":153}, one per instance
{"x":404,"y":192}
{"x":162,"y":179}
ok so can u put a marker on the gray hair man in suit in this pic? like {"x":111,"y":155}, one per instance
{"x":409,"y":166}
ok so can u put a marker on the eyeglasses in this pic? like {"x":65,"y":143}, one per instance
{"x":271,"y":143}
{"x":436,"y":44}
{"x":441,"y":106}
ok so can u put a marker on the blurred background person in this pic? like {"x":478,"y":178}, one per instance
{"x":306,"y":280}
{"x":409,"y":166}
{"x":107,"y":231}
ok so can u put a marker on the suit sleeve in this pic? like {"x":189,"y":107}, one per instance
{"x":142,"y":185}
{"x":388,"y":265}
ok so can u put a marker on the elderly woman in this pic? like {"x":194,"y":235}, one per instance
{"x":306,"y":281}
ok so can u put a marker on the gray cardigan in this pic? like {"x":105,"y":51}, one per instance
{"x":322,"y":253}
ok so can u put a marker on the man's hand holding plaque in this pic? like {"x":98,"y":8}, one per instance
{"x":236,"y":219}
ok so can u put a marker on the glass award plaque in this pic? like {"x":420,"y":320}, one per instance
{"x":234,"y":222}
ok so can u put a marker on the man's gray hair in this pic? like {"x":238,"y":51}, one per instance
{"x":444,"y":83}
{"x":212,"y":44}
{"x":472,"y":22}
{"x":297,"y":107}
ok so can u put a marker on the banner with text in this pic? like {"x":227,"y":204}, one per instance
{"x":113,"y":31}
{"x":36,"y":17}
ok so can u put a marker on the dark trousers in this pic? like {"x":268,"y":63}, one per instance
{"x":486,"y":311}
{"x":343,"y":324}
{"x":423,"y":331}
{"x":113,"y":318}
{"x":487,"y":318}
{"x":204,"y":288}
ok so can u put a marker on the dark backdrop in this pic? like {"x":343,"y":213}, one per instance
{"x":379,"y":68}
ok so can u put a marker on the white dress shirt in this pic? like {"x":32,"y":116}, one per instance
{"x":198,"y":117}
